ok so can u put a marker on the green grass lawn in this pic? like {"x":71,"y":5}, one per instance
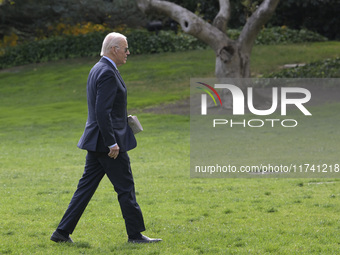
{"x":42,"y":115}
{"x":265,"y":59}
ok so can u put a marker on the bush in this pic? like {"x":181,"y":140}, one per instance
{"x":140,"y":42}
{"x":71,"y":46}
{"x":329,"y":68}
{"x":281,"y":35}
{"x":53,"y":48}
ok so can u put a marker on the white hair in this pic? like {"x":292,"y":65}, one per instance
{"x":112,"y":39}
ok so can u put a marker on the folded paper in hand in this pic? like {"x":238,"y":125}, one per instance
{"x":134,"y":124}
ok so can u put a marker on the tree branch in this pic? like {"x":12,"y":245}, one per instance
{"x":190,"y":23}
{"x":255,"y":23}
{"x":222,"y":18}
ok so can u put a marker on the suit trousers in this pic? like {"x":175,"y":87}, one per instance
{"x":119,"y":172}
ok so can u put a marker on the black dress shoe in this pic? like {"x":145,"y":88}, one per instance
{"x":144,"y":239}
{"x":59,"y":238}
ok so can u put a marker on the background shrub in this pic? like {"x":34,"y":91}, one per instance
{"x":53,"y":48}
{"x":72,"y":46}
{"x":329,"y":68}
{"x":281,"y":35}
{"x":140,"y":42}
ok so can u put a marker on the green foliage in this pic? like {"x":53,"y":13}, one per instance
{"x":28,"y":16}
{"x":71,"y":46}
{"x":54,"y":48}
{"x":316,"y":15}
{"x":320,"y":16}
{"x":141,"y":42}
{"x":329,"y":68}
{"x":281,"y":35}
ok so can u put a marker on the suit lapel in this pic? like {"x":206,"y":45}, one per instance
{"x":120,"y":77}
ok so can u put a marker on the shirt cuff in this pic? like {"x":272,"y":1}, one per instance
{"x":112,"y":146}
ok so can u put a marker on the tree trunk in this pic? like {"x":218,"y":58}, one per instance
{"x":232,"y":57}
{"x":231,"y":62}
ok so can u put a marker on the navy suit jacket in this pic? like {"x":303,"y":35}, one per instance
{"x":107,"y":122}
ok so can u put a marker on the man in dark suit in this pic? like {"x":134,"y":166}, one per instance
{"x":107,"y":138}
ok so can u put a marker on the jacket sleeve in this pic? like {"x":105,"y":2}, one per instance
{"x":106,"y":93}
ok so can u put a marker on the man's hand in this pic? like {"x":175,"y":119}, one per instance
{"x":114,"y":151}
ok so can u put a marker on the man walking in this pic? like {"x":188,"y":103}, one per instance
{"x":107,"y":138}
